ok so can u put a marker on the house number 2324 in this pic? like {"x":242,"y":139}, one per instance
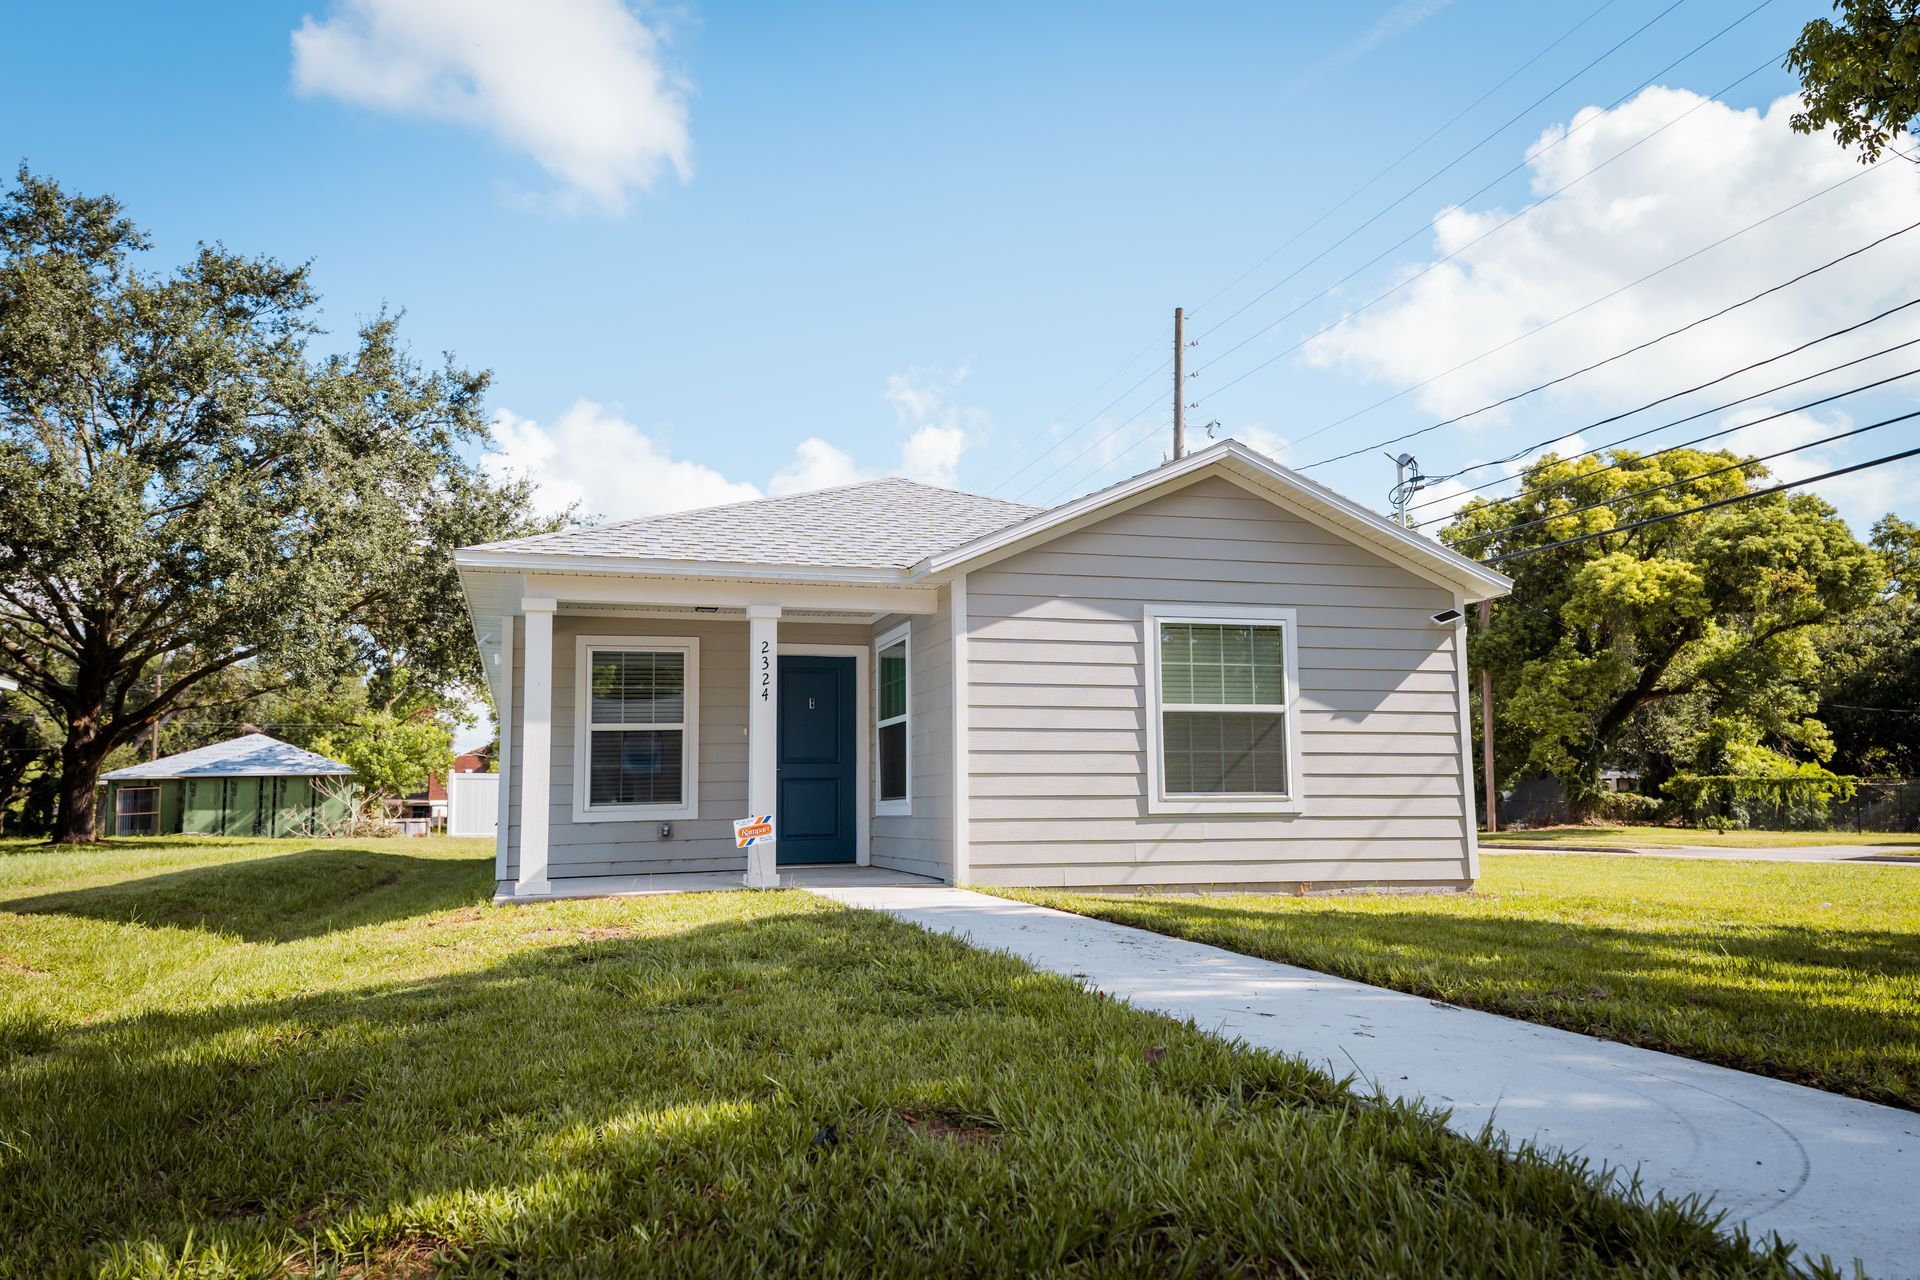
{"x":766,"y":672}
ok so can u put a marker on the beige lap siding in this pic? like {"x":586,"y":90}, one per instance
{"x":702,"y":843}
{"x":922,"y":842}
{"x":1058,"y":705}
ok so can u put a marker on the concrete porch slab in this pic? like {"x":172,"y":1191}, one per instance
{"x":840,"y":876}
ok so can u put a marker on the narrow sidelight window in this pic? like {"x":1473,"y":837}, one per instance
{"x":893,"y":720}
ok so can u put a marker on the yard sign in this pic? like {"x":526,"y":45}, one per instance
{"x":748,"y":832}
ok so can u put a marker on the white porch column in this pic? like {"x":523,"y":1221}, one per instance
{"x":536,"y":741}
{"x":763,"y":726}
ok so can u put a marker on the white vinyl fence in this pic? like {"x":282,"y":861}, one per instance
{"x":473,"y":804}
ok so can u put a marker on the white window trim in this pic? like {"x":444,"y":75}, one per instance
{"x":1158,"y":801}
{"x":584,"y":647}
{"x":902,"y":807}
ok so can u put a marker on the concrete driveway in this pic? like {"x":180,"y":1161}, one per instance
{"x":1834,"y":1175}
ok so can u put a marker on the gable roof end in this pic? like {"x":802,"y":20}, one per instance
{"x":1285,"y":486}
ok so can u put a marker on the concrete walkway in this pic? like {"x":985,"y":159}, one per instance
{"x":1834,"y":1175}
{"x":1889,"y":856}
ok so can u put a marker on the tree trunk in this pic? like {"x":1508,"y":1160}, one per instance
{"x":81,"y":757}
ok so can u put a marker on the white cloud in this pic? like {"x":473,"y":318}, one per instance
{"x":606,"y":465}
{"x":578,"y":85}
{"x":816,"y":465}
{"x":931,"y":455}
{"x":1715,"y":171}
{"x":1259,"y":439}
{"x":611,"y":469}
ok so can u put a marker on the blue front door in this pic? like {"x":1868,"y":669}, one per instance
{"x":817,"y":760}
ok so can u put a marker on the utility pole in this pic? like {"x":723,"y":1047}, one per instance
{"x":1407,"y":481}
{"x":1179,"y":384}
{"x":1486,"y":722}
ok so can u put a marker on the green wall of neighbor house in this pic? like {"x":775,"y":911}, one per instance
{"x":293,"y":806}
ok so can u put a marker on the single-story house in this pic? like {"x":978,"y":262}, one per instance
{"x":1216,"y":673}
{"x":252,"y":785}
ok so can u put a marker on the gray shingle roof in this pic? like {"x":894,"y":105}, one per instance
{"x":253,"y":756}
{"x":890,"y":524}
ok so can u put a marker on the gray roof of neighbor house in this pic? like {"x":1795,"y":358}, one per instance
{"x":253,"y":756}
{"x":878,"y":524}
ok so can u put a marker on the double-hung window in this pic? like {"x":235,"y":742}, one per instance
{"x":1222,"y":725}
{"x":637,"y":728}
{"x":893,"y":722}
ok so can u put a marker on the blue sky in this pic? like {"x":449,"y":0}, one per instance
{"x":716,"y":250}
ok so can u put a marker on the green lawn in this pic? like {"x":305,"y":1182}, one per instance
{"x":1616,"y":837}
{"x":1806,"y":971}
{"x":279,"y":1058}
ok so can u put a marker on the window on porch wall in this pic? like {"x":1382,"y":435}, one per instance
{"x":637,"y":730}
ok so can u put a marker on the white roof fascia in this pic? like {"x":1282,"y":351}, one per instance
{"x":1313,"y":501}
{"x":7,"y":685}
{"x":534,"y":562}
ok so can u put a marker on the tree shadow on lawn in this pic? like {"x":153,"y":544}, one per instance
{"x":740,"y":1097}
{"x":281,"y":898}
{"x":1785,"y":1000}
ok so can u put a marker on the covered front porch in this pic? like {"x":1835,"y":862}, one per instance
{"x":644,"y":715}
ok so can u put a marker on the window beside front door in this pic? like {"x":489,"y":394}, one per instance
{"x":637,"y":717}
{"x":893,"y":723}
{"x":1222,"y":726}
{"x":137,"y":811}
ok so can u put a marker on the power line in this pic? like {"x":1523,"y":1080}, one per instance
{"x":1684,"y":444}
{"x":1497,"y":227}
{"x":1031,"y":462}
{"x":1704,"y":475}
{"x":1521,"y":453}
{"x":1403,"y":196}
{"x":1008,"y":478}
{"x":1568,"y":315}
{"x":1021,"y":447}
{"x":1621,"y":355}
{"x":1391,"y":206}
{"x":1707,"y":506}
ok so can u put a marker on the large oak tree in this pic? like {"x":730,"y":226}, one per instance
{"x":1718,"y":611}
{"x":197,"y":504}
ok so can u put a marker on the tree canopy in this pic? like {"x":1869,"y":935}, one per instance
{"x":198,"y":504}
{"x":1710,"y":618}
{"x":1860,"y":77}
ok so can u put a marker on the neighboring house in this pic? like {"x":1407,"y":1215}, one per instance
{"x":7,"y":685}
{"x":248,"y":786}
{"x":1216,"y":673}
